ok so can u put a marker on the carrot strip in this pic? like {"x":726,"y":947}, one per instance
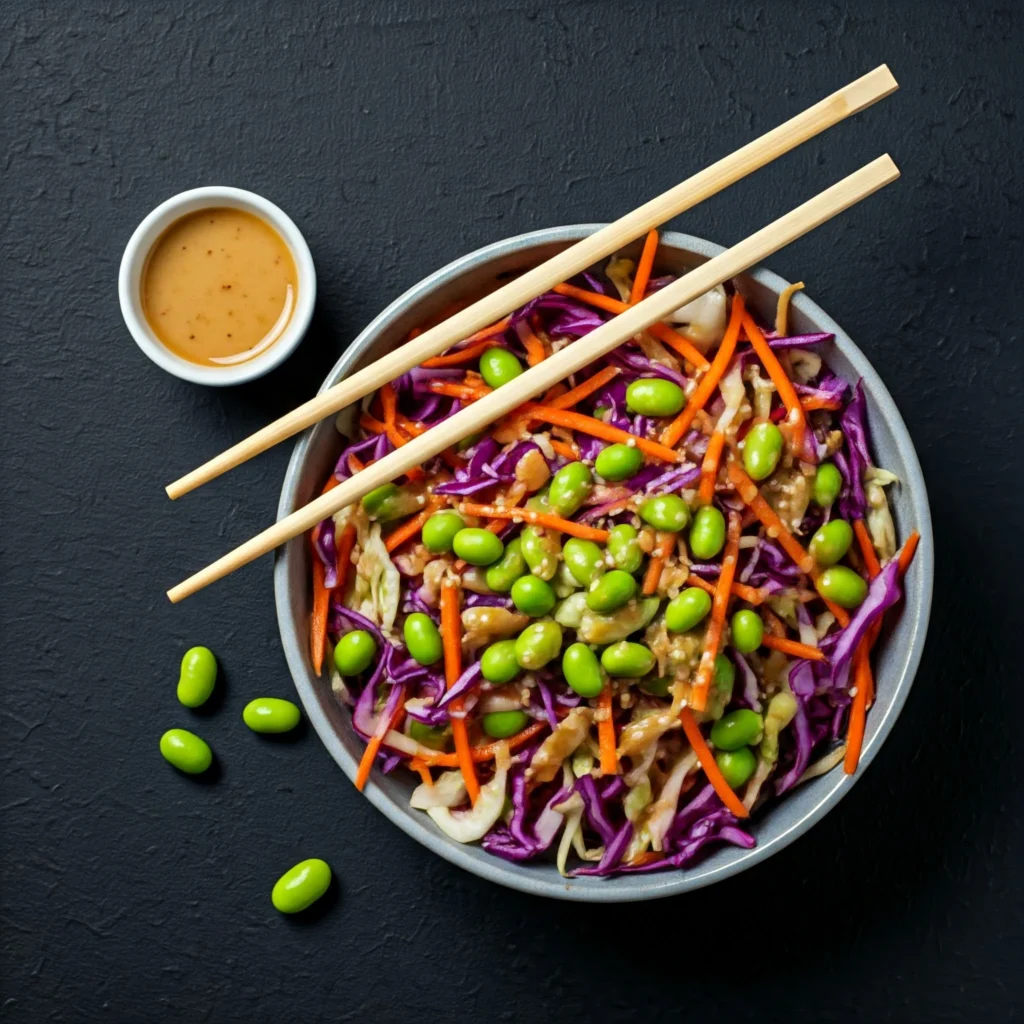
{"x":371,"y":423}
{"x":451,"y":639}
{"x":595,"y":428}
{"x":793,"y":648}
{"x":773,"y":623}
{"x":486,"y":752}
{"x":318,"y":618}
{"x":420,"y":767}
{"x":389,"y":402}
{"x":534,"y":346}
{"x":709,"y":468}
{"x":355,"y":464}
{"x":370,"y":752}
{"x":606,"y":734}
{"x":908,"y":552}
{"x":584,"y":390}
{"x":752,"y":595}
{"x":711,"y":769}
{"x":672,"y":434}
{"x":411,"y":527}
{"x":644,"y":267}
{"x":564,"y":449}
{"x":666,"y":542}
{"x":346,"y":542}
{"x":463,"y":355}
{"x":552,"y":522}
{"x":811,"y":402}
{"x":859,"y":708}
{"x":408,"y":426}
{"x":463,"y":392}
{"x":867,"y":549}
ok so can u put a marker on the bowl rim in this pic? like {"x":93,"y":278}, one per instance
{"x":660,"y":884}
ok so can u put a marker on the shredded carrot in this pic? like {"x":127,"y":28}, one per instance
{"x":546,"y":519}
{"x":773,"y":623}
{"x":408,"y":426}
{"x":711,"y":769}
{"x":346,"y":542}
{"x":370,"y":753}
{"x":595,"y":428}
{"x":534,"y":346}
{"x":752,"y":595}
{"x":793,"y":648}
{"x":908,"y":552}
{"x":644,"y":267}
{"x":606,"y":734}
{"x":389,"y":402}
{"x":463,"y":355}
{"x":486,"y":752}
{"x":811,"y":402}
{"x":451,"y":639}
{"x":318,"y":619}
{"x":673,"y":433}
{"x":355,"y":464}
{"x":859,"y":708}
{"x":867,"y":549}
{"x":420,"y":767}
{"x":709,"y":468}
{"x":411,"y":527}
{"x":567,"y":451}
{"x":371,"y":423}
{"x":584,"y":390}
{"x":666,"y":542}
{"x":463,"y":392}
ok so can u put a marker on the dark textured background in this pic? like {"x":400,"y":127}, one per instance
{"x":399,"y":136}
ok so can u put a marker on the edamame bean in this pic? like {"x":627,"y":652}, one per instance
{"x":538,"y":644}
{"x":501,"y":724}
{"x":186,"y":751}
{"x":725,"y":674}
{"x":570,"y":487}
{"x":665,"y":512}
{"x":377,"y":497}
{"x":433,"y":736}
{"x":610,"y":591}
{"x":831,"y":542}
{"x":686,"y":610}
{"x":301,"y":886}
{"x":271,"y":715}
{"x":842,"y":585}
{"x":737,"y":729}
{"x":389,"y":502}
{"x":423,"y":639}
{"x":198,"y":676}
{"x":627,"y":659}
{"x":762,"y":449}
{"x":354,"y":652}
{"x":652,"y":396}
{"x":624,"y":548}
{"x":582,"y":670}
{"x":736,"y":765}
{"x":828,"y":482}
{"x":747,"y":631}
{"x":498,"y":366}
{"x":533,"y":596}
{"x":476,"y":546}
{"x":657,"y":687}
{"x":539,"y":502}
{"x":618,"y":462}
{"x":541,"y":549}
{"x":439,"y":531}
{"x":468,"y":442}
{"x":584,"y":559}
{"x":502,"y":574}
{"x":707,"y":535}
{"x":498,"y":663}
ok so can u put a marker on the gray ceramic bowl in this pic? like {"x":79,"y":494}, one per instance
{"x":899,"y":652}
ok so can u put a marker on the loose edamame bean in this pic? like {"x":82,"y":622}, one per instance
{"x":570,"y":487}
{"x":502,"y":574}
{"x":498,"y":663}
{"x":747,"y":631}
{"x":652,"y":396}
{"x":762,"y":449}
{"x":538,"y":644}
{"x":627,"y":659}
{"x":423,"y":639}
{"x":498,"y":366}
{"x":186,"y":751}
{"x":618,"y":462}
{"x":737,"y":729}
{"x":476,"y":546}
{"x":501,"y":724}
{"x":271,"y":715}
{"x":582,"y":670}
{"x":828,"y":482}
{"x":686,"y":610}
{"x":533,"y":596}
{"x":354,"y":652}
{"x":736,"y":765}
{"x":439,"y":531}
{"x":541,"y":549}
{"x":624,"y":548}
{"x":198,"y":676}
{"x":584,"y":559}
{"x":665,"y":512}
{"x":831,"y":541}
{"x":610,"y":591}
{"x":843,"y":586}
{"x":301,"y":886}
{"x":433,"y":736}
{"x":707,"y":535}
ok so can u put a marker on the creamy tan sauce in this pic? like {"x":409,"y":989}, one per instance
{"x":219,"y":287}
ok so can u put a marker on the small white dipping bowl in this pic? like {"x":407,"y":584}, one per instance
{"x":133,"y":262}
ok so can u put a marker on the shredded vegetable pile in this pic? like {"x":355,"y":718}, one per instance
{"x":636,"y":609}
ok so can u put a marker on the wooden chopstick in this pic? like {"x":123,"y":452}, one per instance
{"x":849,"y":100}
{"x":557,"y":367}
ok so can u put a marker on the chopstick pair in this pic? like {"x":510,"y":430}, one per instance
{"x":741,"y":257}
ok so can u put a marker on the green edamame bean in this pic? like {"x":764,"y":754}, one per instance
{"x":538,"y":644}
{"x":423,"y":639}
{"x":762,"y":449}
{"x":610,"y":591}
{"x":439,"y":531}
{"x":539,"y":502}
{"x":831,"y":542}
{"x":498,"y":366}
{"x":652,"y":396}
{"x":624,"y":549}
{"x":354,"y":652}
{"x":389,"y":502}
{"x":533,"y":596}
{"x":186,"y":751}
{"x":198,"y":676}
{"x":828,"y":482}
{"x":476,"y":546}
{"x":541,"y":549}
{"x":707,"y":535}
{"x":271,"y":715}
{"x":501,"y":724}
{"x":433,"y":736}
{"x":468,"y":442}
{"x":737,"y":729}
{"x":618,"y":462}
{"x":736,"y":765}
{"x":842,"y":585}
{"x":584,"y":559}
{"x":747,"y":631}
{"x":498,"y":663}
{"x":373,"y":501}
{"x":582,"y":670}
{"x":570,"y":487}
{"x":301,"y":886}
{"x":665,"y":512}
{"x":627,"y":659}
{"x":725,"y":674}
{"x":502,"y":574}
{"x":686,"y":610}
{"x":656,"y":687}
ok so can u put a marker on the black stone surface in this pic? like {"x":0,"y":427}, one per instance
{"x":399,"y":136}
